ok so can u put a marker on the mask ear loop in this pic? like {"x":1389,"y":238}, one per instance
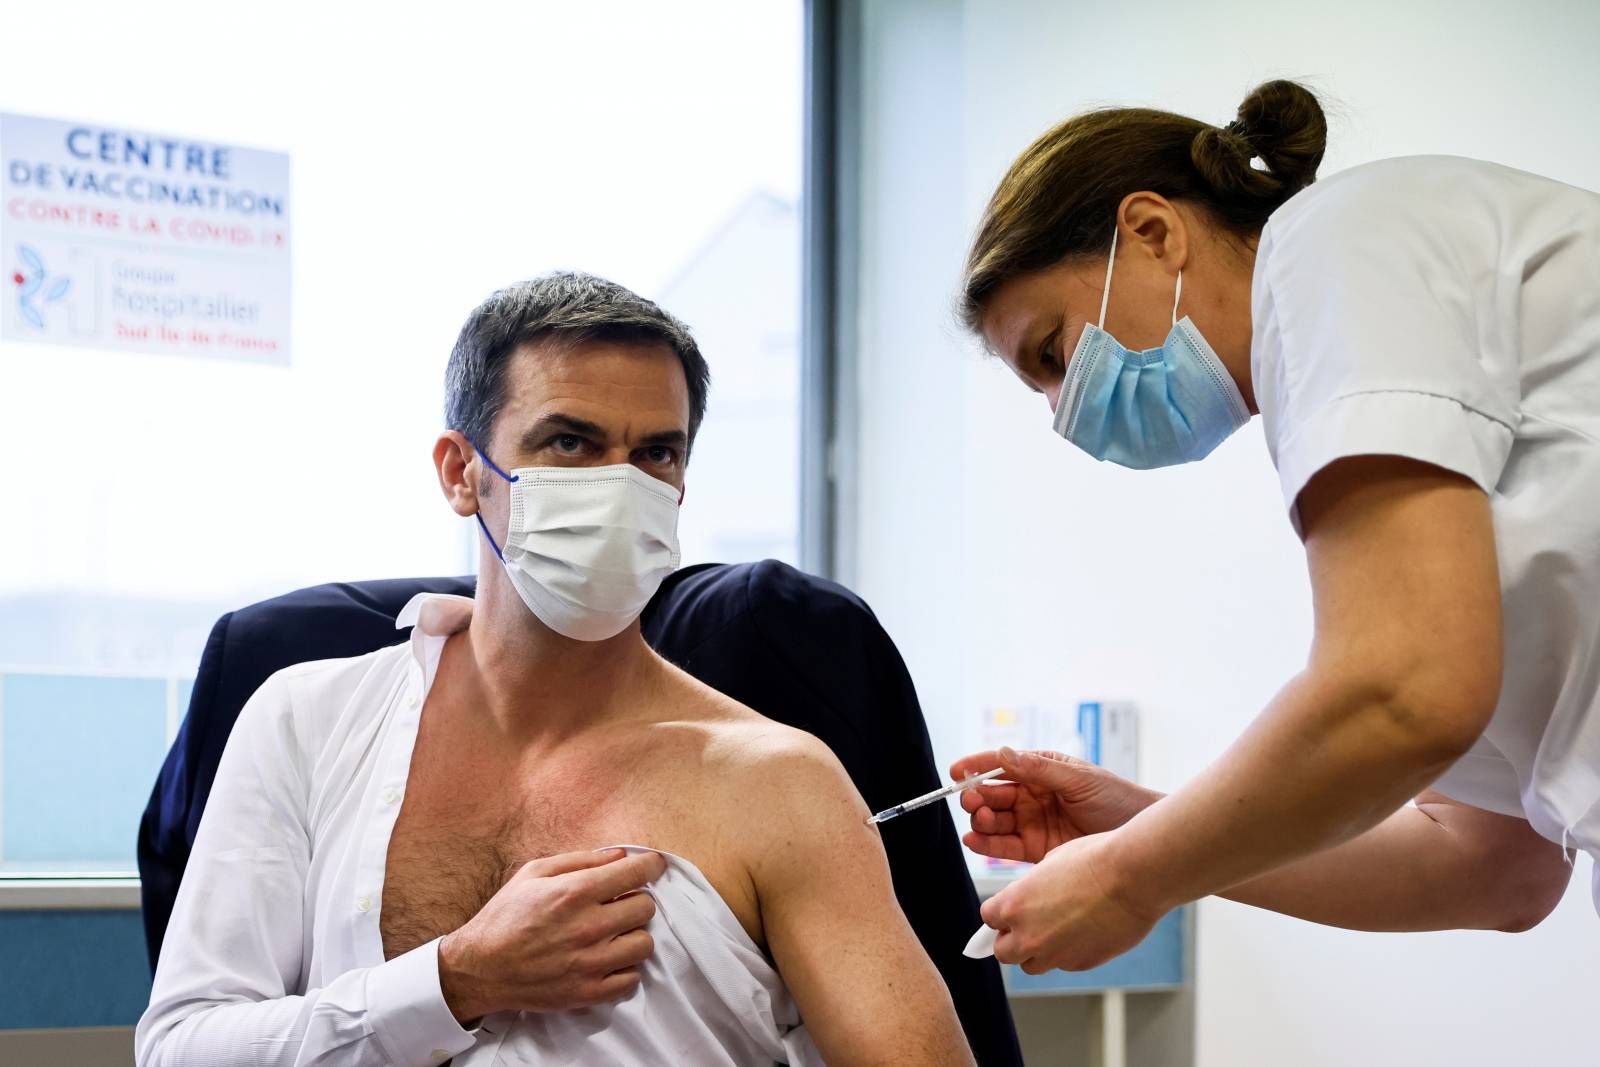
{"x":1105,"y":293}
{"x":479,"y":514}
{"x":490,"y":462}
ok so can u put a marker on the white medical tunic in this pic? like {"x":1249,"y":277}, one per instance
{"x":1448,"y":310}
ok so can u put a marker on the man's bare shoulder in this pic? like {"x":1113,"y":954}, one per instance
{"x":763,"y":766}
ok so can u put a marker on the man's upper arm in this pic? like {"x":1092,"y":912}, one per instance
{"x":229,"y":985}
{"x":235,"y":934}
{"x":247,"y":868}
{"x":866,"y":989}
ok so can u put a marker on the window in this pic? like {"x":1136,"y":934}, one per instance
{"x":432,"y":160}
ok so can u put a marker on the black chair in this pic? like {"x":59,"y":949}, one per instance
{"x":796,"y":648}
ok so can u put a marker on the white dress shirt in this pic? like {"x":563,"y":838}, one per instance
{"x":707,"y":997}
{"x":1448,"y":310}
{"x":273,"y":954}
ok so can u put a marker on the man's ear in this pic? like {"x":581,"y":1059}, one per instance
{"x":1155,"y":226}
{"x":452,"y":460}
{"x":683,"y":491}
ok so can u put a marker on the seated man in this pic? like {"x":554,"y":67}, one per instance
{"x":398,"y":862}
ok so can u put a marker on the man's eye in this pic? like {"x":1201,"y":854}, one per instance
{"x":660,"y":454}
{"x":568,"y":442}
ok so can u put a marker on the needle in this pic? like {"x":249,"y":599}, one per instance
{"x":928,"y":798}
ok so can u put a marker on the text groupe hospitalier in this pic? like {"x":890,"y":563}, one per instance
{"x":150,"y":299}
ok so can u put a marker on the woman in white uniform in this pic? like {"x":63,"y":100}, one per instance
{"x":1422,"y":340}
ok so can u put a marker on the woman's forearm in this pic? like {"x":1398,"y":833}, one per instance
{"x":1404,"y":676}
{"x":1436,"y":866}
{"x":1326,"y":762}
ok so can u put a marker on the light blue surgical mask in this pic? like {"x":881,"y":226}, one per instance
{"x":1155,"y":408}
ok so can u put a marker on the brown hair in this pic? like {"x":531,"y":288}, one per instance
{"x":1060,"y":197}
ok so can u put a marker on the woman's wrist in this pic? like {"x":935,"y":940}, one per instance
{"x":1142,"y":801}
{"x":1140,"y":873}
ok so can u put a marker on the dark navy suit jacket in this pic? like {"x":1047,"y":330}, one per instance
{"x":796,"y":648}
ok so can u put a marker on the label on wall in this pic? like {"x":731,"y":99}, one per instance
{"x":119,"y":238}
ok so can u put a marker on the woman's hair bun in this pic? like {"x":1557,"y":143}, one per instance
{"x":1280,"y":123}
{"x":1061,"y":196}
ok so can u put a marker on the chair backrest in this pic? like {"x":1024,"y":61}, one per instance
{"x":799,"y":649}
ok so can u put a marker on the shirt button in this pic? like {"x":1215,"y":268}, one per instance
{"x":390,"y":794}
{"x":363,"y":904}
{"x":413,"y":702}
{"x":440,"y":1054}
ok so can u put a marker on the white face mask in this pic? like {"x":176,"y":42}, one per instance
{"x":587,"y":547}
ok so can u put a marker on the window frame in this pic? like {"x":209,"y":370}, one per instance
{"x":827,"y":304}
{"x":829,"y":206}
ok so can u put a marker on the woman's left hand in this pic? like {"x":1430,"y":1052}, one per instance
{"x":1071,"y":912}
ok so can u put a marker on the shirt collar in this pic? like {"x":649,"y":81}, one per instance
{"x":433,"y":617}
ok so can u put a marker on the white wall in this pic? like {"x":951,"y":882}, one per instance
{"x":436,"y":155}
{"x":1010,"y":568}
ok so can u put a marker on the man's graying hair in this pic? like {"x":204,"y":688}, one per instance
{"x":569,"y":308}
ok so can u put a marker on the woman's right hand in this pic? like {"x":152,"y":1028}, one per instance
{"x":1046,"y":799}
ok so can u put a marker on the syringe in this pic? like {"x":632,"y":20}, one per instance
{"x":928,"y":798}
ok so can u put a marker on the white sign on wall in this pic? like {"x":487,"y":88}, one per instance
{"x":118,"y":238}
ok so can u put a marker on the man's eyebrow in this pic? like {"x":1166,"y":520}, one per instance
{"x":666,"y":437}
{"x":555,"y":422}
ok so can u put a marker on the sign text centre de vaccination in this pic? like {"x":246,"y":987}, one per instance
{"x":124,"y":239}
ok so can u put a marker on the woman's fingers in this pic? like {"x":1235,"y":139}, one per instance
{"x":999,"y":797}
{"x":1008,"y":948}
{"x":1044,"y":771}
{"x":977,"y":763}
{"x":999,"y":846}
{"x":1039,"y":769}
{"x":989,"y":821}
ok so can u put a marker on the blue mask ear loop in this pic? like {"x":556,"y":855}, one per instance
{"x":510,"y":478}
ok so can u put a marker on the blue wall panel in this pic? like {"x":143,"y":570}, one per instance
{"x":87,"y":968}
{"x":80,"y":755}
{"x":72,"y":968}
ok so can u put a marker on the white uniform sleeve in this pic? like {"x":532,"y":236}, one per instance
{"x":226,"y":987}
{"x":1368,"y":338}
